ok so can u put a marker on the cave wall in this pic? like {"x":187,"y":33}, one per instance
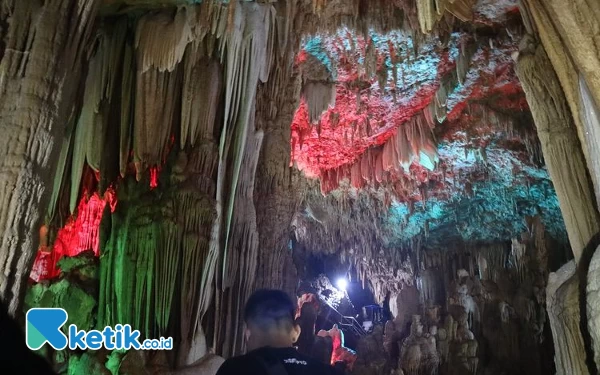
{"x":473,"y":309}
{"x":157,"y":172}
{"x":166,"y":145}
{"x":41,"y":52}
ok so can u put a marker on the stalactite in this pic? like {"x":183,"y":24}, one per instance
{"x":246,"y":65}
{"x":154,"y":111}
{"x":60,"y":171}
{"x":432,"y":11}
{"x":201,"y":92}
{"x":244,"y":250}
{"x":91,"y":130}
{"x":162,"y":39}
{"x":127,"y":107}
{"x":495,"y":259}
{"x":403,"y":148}
{"x":461,"y":9}
{"x":429,"y":287}
{"x":518,"y":262}
{"x":463,"y":61}
{"x":319,"y":97}
{"x":89,"y":121}
{"x":427,"y":15}
{"x":370,"y":60}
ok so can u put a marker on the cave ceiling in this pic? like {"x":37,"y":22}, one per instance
{"x":473,"y":171}
{"x":412,"y":129}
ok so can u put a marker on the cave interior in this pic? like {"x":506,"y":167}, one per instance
{"x":421,"y":176}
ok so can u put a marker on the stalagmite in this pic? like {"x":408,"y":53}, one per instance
{"x":560,"y":145}
{"x":37,"y":60}
{"x":563,"y":310}
{"x":129,"y":297}
{"x":168,"y":255}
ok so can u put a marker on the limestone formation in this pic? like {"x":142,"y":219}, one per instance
{"x":166,"y":158}
{"x":41,"y":62}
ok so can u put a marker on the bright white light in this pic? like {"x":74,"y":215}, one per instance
{"x":342,"y":284}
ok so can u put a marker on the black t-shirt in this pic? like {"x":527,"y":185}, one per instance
{"x":257,"y":362}
{"x":15,"y":357}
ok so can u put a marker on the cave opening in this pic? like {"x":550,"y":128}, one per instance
{"x":420,"y":177}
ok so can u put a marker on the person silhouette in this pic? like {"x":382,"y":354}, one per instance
{"x":271,"y":332}
{"x":15,"y":356}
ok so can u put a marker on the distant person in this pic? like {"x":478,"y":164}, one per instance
{"x":271,"y":332}
{"x":340,"y":366}
{"x":15,"y":357}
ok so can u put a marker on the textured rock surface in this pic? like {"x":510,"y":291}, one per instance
{"x":183,"y":166}
{"x":560,"y":145}
{"x":564,"y":313}
{"x":593,"y":304}
{"x":41,"y":62}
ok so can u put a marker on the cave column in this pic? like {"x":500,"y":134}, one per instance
{"x":578,"y":24}
{"x":567,"y":168}
{"x":278,"y":185}
{"x":569,"y":30}
{"x":560,"y":145}
{"x":40,"y":68}
{"x":570,"y":33}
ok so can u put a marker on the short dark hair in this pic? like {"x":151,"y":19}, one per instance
{"x":268,"y":309}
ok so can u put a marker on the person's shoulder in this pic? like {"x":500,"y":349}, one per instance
{"x":317,"y":367}
{"x":234,"y":365}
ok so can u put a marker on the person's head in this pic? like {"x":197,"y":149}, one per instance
{"x":269,"y":317}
